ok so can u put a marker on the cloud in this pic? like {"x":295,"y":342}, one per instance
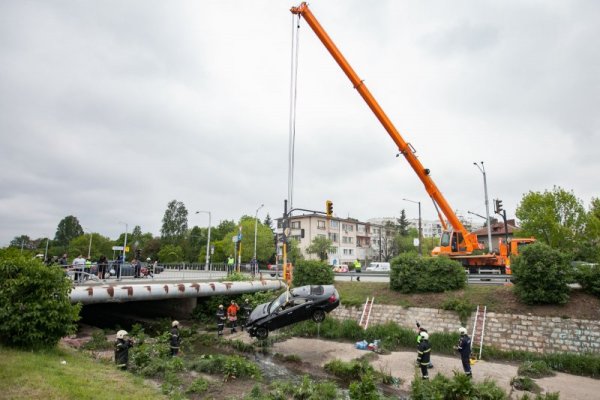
{"x":109,"y":110}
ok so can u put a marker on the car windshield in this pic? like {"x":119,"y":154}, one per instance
{"x":275,"y":304}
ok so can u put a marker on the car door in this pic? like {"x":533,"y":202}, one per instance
{"x":295,"y":312}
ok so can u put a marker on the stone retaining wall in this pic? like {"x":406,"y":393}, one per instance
{"x":503,"y":331}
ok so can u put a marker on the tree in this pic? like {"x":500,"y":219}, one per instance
{"x":264,"y":241}
{"x":590,"y":246}
{"x":174,"y":223}
{"x":35,"y":308}
{"x":22,"y":241}
{"x":320,"y":246}
{"x":170,"y":253}
{"x":101,"y":245}
{"x":556,"y":218}
{"x":268,"y":222}
{"x":68,"y":229}
{"x":403,"y":224}
{"x":541,"y":275}
{"x":224,"y":227}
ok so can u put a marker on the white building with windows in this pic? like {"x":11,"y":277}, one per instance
{"x":351,"y":238}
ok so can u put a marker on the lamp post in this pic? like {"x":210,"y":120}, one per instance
{"x":206,"y":267}
{"x":256,"y":228}
{"x":487,"y":205}
{"x":90,"y":245}
{"x":420,"y":227}
{"x":46,"y":251}
{"x":124,"y":247}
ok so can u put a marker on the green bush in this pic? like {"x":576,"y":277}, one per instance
{"x":458,"y":387}
{"x":545,"y":396}
{"x":228,"y":366}
{"x":535,"y":369}
{"x":414,"y":274}
{"x":347,"y":371}
{"x":525,"y":383}
{"x":307,"y":389}
{"x":364,"y":388}
{"x":463,"y":308}
{"x":98,"y":342}
{"x":310,"y":272}
{"x":541,"y":275}
{"x":588,"y":276}
{"x":35,"y":308}
{"x":199,"y":386}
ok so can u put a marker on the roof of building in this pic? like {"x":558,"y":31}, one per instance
{"x":498,"y":228}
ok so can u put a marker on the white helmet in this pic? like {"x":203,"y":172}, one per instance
{"x":462,"y":330}
{"x":174,"y":324}
{"x":121,"y":334}
{"x":424,"y":335}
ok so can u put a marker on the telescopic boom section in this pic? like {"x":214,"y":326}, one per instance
{"x":422,"y":173}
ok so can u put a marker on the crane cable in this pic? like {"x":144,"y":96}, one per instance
{"x":292,"y":118}
{"x":293,"y":100}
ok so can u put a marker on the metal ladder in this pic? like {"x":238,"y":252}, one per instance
{"x":366,"y":314}
{"x":479,"y":328}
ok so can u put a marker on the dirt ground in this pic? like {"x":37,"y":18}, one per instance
{"x":401,"y":365}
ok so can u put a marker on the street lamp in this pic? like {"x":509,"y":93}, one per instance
{"x":90,"y":245}
{"x":487,"y":206}
{"x":256,"y":228}
{"x":124,"y":245}
{"x":207,"y":240}
{"x":420,"y":227}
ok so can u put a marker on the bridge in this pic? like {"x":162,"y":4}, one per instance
{"x":174,"y":292}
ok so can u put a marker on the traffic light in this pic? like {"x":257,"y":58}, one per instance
{"x":497,"y":206}
{"x":329,"y":208}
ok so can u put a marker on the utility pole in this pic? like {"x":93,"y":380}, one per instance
{"x":420,"y":226}
{"x":487,"y":205}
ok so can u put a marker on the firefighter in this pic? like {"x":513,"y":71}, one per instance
{"x":122,"y":346}
{"x":464,"y":348}
{"x":424,"y":354}
{"x":246,"y":311}
{"x":220,"y":320}
{"x":175,"y":340}
{"x":419,"y":337}
{"x":232,"y":311}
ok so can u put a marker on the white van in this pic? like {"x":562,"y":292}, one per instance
{"x":379,"y":267}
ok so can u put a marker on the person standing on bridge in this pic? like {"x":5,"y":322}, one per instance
{"x":122,"y":346}
{"x":464,"y":348}
{"x":175,"y":340}
{"x":220,"y":320}
{"x":232,"y":311}
{"x":230,"y":264}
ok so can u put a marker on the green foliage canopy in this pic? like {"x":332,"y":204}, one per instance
{"x":541,"y":275}
{"x":68,"y":229}
{"x":310,"y":272}
{"x":35,"y":309}
{"x":320,"y":246}
{"x":174,"y":223}
{"x":412,"y":274}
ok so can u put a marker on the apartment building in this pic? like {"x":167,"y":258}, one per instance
{"x":351,"y":238}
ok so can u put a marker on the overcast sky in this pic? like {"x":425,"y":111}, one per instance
{"x":110,"y":109}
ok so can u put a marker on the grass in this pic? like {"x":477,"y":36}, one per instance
{"x":355,"y":294}
{"x":42,"y":375}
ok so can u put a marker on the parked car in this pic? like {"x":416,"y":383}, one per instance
{"x":379,"y":267}
{"x":341,"y":268}
{"x":296,"y":305}
{"x":276,"y":269}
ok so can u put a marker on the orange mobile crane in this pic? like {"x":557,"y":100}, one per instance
{"x":457,"y":242}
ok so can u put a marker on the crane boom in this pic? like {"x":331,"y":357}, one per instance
{"x":470,"y":240}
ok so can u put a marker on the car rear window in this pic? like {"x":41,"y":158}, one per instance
{"x":317,"y":290}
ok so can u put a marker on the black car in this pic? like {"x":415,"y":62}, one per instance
{"x":297,"y":304}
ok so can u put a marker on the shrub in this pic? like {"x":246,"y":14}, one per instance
{"x":525,"y":383}
{"x":459,"y":387}
{"x":545,"y":396}
{"x":535,"y":369}
{"x":413,"y":274}
{"x":588,"y":276}
{"x":310,"y":272}
{"x":463,"y":308}
{"x":35,"y":308}
{"x":199,"y":386}
{"x":364,"y":389}
{"x":228,"y":366}
{"x":98,"y":342}
{"x":541,"y":275}
{"x":352,"y":370}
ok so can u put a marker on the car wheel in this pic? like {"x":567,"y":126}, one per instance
{"x":262,"y":332}
{"x":318,"y":316}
